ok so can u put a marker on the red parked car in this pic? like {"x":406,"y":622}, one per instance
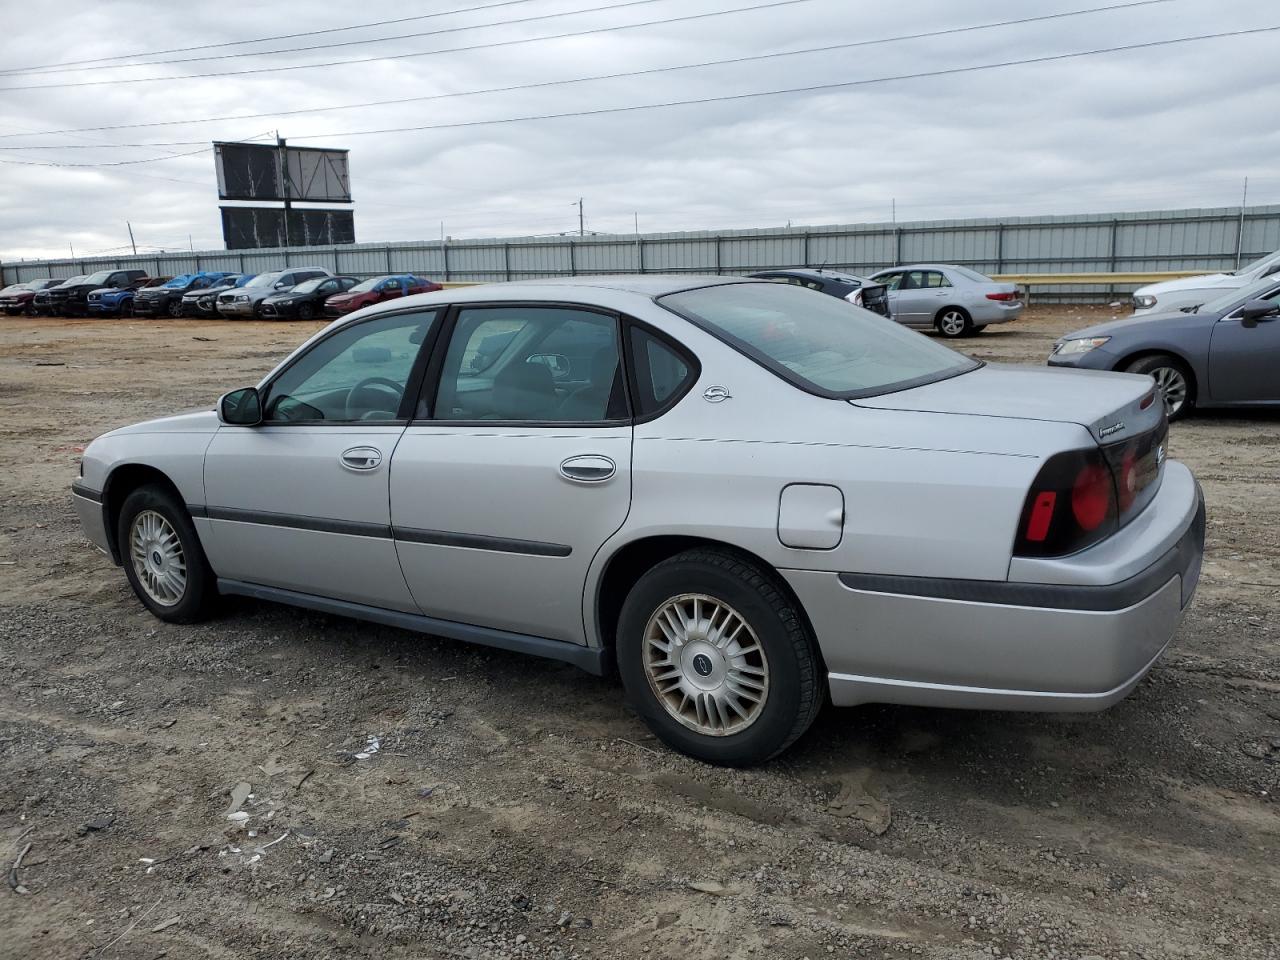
{"x":17,"y":297}
{"x":376,"y":290}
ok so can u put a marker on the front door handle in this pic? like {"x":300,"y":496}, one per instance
{"x":588,"y":468}
{"x":361,"y":458}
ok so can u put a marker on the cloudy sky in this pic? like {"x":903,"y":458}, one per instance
{"x":1138,"y":129}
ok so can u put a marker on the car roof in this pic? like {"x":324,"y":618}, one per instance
{"x":812,"y":273}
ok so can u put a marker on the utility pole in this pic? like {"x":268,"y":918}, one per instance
{"x":582,"y":228}
{"x":190,"y":246}
{"x":73,"y":249}
{"x":131,"y":242}
{"x":288,"y":183}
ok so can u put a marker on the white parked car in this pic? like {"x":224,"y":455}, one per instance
{"x":1171,"y":295}
{"x":747,"y":495}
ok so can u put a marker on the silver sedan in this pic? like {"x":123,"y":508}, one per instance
{"x":955,"y":301}
{"x":746,"y":496}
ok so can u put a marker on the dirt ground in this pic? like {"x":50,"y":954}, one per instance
{"x":415,"y":798}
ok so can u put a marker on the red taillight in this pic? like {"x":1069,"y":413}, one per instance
{"x":1092,"y":496}
{"x":1003,"y":296}
{"x":1041,"y":516}
{"x":1149,"y":399}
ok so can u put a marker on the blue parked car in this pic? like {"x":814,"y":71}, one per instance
{"x":167,"y":298}
{"x":118,"y":301}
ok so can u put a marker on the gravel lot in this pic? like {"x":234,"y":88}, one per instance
{"x":414,"y":798}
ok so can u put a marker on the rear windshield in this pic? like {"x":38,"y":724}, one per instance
{"x":264,"y":279}
{"x":822,"y":344}
{"x":180,"y":281}
{"x":973,"y":275}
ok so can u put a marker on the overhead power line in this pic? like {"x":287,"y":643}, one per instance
{"x":606,"y":76}
{"x":280,"y":36}
{"x":811,"y":88}
{"x":773,"y":4}
{"x":342,"y":43}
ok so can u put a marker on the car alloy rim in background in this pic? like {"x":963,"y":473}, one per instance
{"x":158,"y":560}
{"x":1173,"y":385}
{"x":952,"y":323}
{"x":705,"y":665}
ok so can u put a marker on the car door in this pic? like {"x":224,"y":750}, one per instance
{"x":892,"y":280}
{"x":300,"y":502}
{"x":1244,"y":362}
{"x":919,"y":297}
{"x":391,"y":288}
{"x":517,"y":469}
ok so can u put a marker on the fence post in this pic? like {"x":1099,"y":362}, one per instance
{"x":897,"y":246}
{"x":573,"y":260}
{"x":1000,"y":249}
{"x":639,"y":255}
{"x":806,"y":251}
{"x":506,"y":261}
{"x":387,"y":251}
{"x":242,"y":263}
{"x":718,"y":239}
{"x":445,"y":248}
{"x":1115,"y":247}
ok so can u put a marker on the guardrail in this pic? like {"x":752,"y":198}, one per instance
{"x":1092,"y":279}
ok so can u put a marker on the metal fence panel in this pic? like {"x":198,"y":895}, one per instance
{"x":1193,"y":239}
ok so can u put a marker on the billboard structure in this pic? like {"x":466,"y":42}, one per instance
{"x":278,"y":173}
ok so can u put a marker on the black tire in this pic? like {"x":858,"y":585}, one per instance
{"x":200,"y":590}
{"x":174,"y":308}
{"x":306,"y":311}
{"x":977,"y":329}
{"x":944,"y":322}
{"x":1166,"y":369}
{"x":795,"y":690}
{"x":126,"y":308}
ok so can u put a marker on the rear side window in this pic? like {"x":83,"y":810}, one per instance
{"x":663,"y":376}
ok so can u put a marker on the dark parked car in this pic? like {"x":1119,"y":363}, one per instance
{"x":167,"y":298}
{"x":20,"y":297}
{"x":377,"y":289}
{"x":43,"y":302}
{"x":306,"y":300}
{"x":204,"y":303}
{"x":118,"y":301}
{"x":859,"y":291}
{"x":1223,"y":353}
{"x":72,"y":299}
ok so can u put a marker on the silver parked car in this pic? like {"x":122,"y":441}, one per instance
{"x":955,"y":301}
{"x":1169,"y":295}
{"x":747,"y":495}
{"x":246,"y":301}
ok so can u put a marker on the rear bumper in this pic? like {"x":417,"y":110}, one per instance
{"x":1008,"y":645}
{"x":997,"y":311}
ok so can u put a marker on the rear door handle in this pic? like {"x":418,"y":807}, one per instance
{"x":361,"y":458}
{"x":588,"y":468}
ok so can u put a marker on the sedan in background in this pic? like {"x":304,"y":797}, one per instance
{"x":866,"y":515}
{"x":1225,"y":353}
{"x":243,"y":303}
{"x":859,"y":291}
{"x":1193,"y":291}
{"x":19,"y":297}
{"x":306,"y":300}
{"x":955,"y":301}
{"x":204,"y":302}
{"x":376,"y":290}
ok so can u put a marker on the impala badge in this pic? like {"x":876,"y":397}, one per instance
{"x":1111,"y":428}
{"x":716,"y":394}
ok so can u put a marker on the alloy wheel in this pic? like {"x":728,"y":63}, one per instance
{"x":1173,"y":387}
{"x":706,"y":665}
{"x":156,"y":552}
{"x":952,"y":323}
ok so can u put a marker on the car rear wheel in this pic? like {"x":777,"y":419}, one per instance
{"x":162,"y":556}
{"x":717,"y":660}
{"x":1171,"y":375}
{"x":174,"y":309}
{"x":953,"y":322}
{"x":306,"y":311}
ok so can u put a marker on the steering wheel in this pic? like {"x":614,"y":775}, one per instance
{"x":390,"y":386}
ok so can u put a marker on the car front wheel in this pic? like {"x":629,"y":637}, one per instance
{"x":174,"y":309}
{"x":717,"y":660}
{"x":952,"y":322}
{"x":162,"y":556}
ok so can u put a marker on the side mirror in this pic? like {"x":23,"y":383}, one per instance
{"x":1255,"y":310}
{"x":241,"y":408}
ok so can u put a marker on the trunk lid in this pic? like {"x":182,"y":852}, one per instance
{"x":1108,"y":405}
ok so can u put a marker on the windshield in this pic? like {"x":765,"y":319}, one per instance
{"x":364,"y":286}
{"x":1254,"y":291}
{"x":15,"y":288}
{"x":100,"y":277}
{"x":819,"y":343}
{"x":309,"y":286}
{"x":264,"y":280}
{"x":180,"y":281}
{"x":1258,"y":264}
{"x":72,"y":281}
